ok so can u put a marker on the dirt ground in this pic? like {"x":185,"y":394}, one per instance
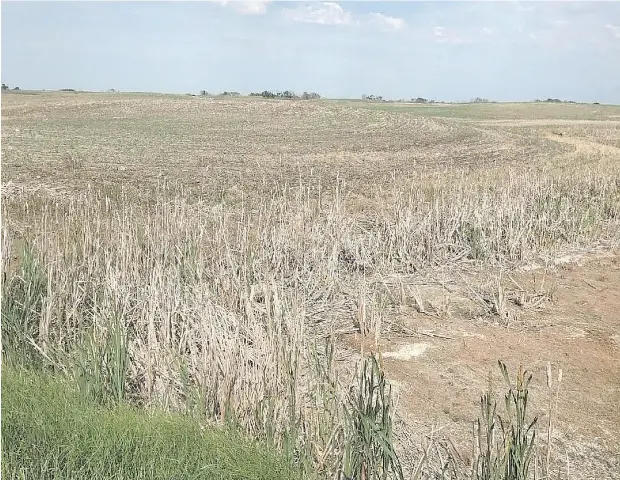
{"x":440,"y":375}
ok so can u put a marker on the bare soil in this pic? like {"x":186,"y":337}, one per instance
{"x":440,"y":375}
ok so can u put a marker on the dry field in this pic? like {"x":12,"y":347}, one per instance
{"x":225,"y":246}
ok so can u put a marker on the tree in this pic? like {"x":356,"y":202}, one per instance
{"x":288,"y":95}
{"x":5,"y":87}
{"x":310,"y":96}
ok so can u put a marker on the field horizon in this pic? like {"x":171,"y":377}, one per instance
{"x":359,"y":99}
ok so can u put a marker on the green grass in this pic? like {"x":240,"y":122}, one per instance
{"x":50,"y":432}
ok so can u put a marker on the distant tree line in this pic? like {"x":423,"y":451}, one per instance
{"x":379,"y":98}
{"x":204,"y":93}
{"x":290,"y":95}
{"x":554,"y":100}
{"x":287,"y":95}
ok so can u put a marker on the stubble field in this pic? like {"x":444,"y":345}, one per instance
{"x":241,"y":256}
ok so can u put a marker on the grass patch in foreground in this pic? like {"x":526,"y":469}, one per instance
{"x":49,"y":431}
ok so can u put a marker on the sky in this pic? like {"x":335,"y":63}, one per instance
{"x":452,"y":51}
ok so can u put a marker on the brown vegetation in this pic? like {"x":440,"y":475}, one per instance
{"x":240,"y":254}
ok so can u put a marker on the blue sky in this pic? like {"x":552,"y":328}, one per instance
{"x":502,"y":50}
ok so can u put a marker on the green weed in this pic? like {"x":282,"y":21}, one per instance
{"x":50,"y":431}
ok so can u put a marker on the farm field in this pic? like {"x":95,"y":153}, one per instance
{"x":243,"y":255}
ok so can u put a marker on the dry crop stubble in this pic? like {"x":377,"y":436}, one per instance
{"x":229,"y":249}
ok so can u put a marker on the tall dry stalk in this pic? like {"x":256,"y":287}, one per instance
{"x":221,"y":306}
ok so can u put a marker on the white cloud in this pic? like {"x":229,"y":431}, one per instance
{"x":451,"y":36}
{"x":385,"y":21}
{"x":247,"y":7}
{"x":331,"y":13}
{"x":614,"y":30}
{"x":324,"y":13}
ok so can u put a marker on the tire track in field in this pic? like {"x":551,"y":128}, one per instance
{"x":584,"y":146}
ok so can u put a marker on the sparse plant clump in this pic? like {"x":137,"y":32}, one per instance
{"x":23,"y":292}
{"x":506,"y":443}
{"x":369,"y":449}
